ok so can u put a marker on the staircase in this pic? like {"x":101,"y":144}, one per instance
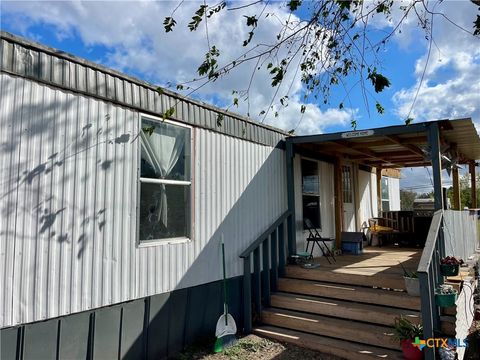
{"x":349,"y":315}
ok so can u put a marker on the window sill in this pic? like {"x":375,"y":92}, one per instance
{"x":173,"y":241}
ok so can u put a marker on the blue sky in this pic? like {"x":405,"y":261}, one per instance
{"x":129,"y":37}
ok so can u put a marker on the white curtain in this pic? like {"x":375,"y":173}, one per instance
{"x":162,"y":150}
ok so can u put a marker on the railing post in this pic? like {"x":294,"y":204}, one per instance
{"x":257,"y":294}
{"x":266,"y":272}
{"x":281,"y":249}
{"x":247,"y":295}
{"x":426,"y":310}
{"x":274,"y":260}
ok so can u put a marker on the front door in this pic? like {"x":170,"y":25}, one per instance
{"x":348,"y":198}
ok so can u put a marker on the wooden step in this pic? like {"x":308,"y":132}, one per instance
{"x":364,"y":333}
{"x":341,"y":348}
{"x":397,"y":299}
{"x":343,"y":276}
{"x":343,"y":309}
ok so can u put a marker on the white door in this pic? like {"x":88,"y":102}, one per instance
{"x":349,"y":220}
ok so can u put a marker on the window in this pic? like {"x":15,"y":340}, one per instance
{"x":385,"y":197}
{"x":347,"y":184}
{"x":165,"y":181}
{"x":311,"y":192}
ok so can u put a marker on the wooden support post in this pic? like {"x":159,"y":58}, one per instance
{"x":338,"y":190}
{"x":266,"y":272}
{"x":434,"y":141}
{"x":257,"y":282}
{"x":274,"y":260}
{"x":281,"y":250}
{"x":473,"y":184}
{"x":291,"y":230}
{"x":456,"y":189}
{"x":379,"y":190}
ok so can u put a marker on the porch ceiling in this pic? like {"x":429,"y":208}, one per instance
{"x":396,"y":146}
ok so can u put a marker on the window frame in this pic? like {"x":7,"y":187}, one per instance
{"x":387,"y":188}
{"x":318,"y":195}
{"x":173,"y":240}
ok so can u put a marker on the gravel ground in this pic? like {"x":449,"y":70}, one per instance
{"x":253,"y":347}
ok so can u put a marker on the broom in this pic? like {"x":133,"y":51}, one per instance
{"x":226,"y":327}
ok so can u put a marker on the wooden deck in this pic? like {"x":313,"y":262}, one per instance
{"x":346,"y":308}
{"x":378,"y":267}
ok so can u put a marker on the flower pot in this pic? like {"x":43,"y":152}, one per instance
{"x":412,"y":285}
{"x":446,"y":300}
{"x":409,"y":351}
{"x":449,"y":270}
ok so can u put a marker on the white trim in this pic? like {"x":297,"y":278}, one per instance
{"x":164,"y":181}
{"x":167,"y":241}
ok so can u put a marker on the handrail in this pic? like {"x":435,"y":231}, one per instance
{"x":266,"y":270}
{"x":265,"y":234}
{"x":429,"y":247}
{"x":430,"y":277}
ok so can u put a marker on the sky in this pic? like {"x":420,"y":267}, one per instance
{"x":129,"y":36}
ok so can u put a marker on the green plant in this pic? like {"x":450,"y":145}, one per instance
{"x":408,"y":274}
{"x":445,"y":290}
{"x":404,"y":329}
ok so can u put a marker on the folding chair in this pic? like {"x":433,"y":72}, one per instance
{"x":313,"y":238}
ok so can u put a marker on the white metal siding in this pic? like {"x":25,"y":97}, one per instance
{"x":394,"y":193}
{"x":68,"y":205}
{"x":367,"y":195}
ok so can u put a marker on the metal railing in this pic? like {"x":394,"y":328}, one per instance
{"x":271,"y":247}
{"x":430,"y":277}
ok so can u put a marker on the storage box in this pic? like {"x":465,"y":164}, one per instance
{"x":354,"y":248}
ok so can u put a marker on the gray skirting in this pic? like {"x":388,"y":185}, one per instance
{"x":155,"y":327}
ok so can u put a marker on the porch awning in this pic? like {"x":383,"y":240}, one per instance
{"x":396,"y":146}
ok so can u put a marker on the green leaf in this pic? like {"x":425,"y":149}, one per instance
{"x":379,"y":81}
{"x":219,"y":120}
{"x":476,"y":26}
{"x":169,"y":23}
{"x":149,"y":130}
{"x":294,"y":4}
{"x":235,"y":102}
{"x":160,"y":90}
{"x":380,"y":108}
{"x":168,"y":113}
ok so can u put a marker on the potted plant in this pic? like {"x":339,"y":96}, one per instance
{"x":407,"y":333}
{"x":450,"y":266}
{"x":445,"y":296}
{"x":412,"y":284}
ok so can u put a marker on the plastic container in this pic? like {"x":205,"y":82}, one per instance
{"x":409,"y":351}
{"x":354,"y":248}
{"x":412,"y":285}
{"x":449,"y":270}
{"x":446,"y":300}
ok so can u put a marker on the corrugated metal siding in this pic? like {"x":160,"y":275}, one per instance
{"x":460,"y":229}
{"x":68,"y":205}
{"x":394,"y":193}
{"x":27,"y":59}
{"x":368,"y":207}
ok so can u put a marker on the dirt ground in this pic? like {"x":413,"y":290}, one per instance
{"x":253,"y":347}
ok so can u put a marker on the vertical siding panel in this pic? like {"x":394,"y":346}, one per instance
{"x":87,"y":257}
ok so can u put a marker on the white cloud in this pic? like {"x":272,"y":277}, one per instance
{"x":451,"y":84}
{"x":133,"y":32}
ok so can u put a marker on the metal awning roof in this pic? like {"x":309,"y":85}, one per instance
{"x":396,"y":146}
